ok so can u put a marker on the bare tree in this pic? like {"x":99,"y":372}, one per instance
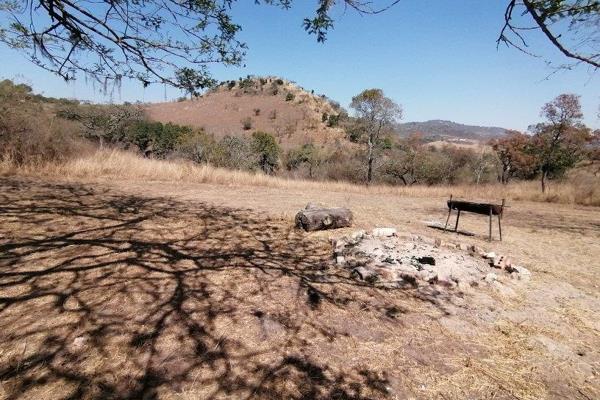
{"x":151,"y":40}
{"x":154,"y":40}
{"x":375,"y":113}
{"x":571,"y":26}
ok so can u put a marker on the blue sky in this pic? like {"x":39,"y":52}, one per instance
{"x":437,"y":58}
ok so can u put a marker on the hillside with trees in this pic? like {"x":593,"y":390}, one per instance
{"x":326,"y":143}
{"x":237,"y":108}
{"x":440,"y":130}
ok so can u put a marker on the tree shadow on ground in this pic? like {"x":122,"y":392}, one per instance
{"x":104,"y":295}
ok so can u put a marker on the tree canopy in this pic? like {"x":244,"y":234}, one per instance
{"x":174,"y":42}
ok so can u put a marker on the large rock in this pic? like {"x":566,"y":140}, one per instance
{"x":317,"y":219}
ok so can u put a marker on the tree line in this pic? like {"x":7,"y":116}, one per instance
{"x":41,"y":129}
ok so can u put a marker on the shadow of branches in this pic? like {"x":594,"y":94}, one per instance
{"x":104,"y":295}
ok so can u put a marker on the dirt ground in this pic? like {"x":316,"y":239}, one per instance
{"x":168,"y":291}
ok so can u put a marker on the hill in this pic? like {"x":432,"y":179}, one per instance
{"x":280,"y":107}
{"x":444,"y":130}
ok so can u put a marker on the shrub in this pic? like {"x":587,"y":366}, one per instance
{"x":279,"y":81}
{"x":256,"y":112}
{"x":333,"y":120}
{"x":246,"y":123}
{"x":155,"y":139}
{"x":29,"y":133}
{"x":267,"y":150}
{"x":308,"y":155}
{"x":324,"y":117}
{"x":290,"y":96}
{"x":197,"y":146}
{"x":235,"y":153}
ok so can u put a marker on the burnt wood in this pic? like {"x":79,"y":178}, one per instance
{"x":316,"y":219}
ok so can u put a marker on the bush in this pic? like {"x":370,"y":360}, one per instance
{"x":235,"y":153}
{"x":333,"y":120}
{"x":197,"y":146}
{"x":267,"y":150}
{"x":154,"y":139}
{"x":290,"y":96}
{"x":308,"y":155}
{"x":246,"y":123}
{"x":256,"y":112}
{"x":30,"y":133}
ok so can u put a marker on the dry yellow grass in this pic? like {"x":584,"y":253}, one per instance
{"x":123,"y":165}
{"x":180,"y":291}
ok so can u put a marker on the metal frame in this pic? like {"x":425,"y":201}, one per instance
{"x":477,"y":208}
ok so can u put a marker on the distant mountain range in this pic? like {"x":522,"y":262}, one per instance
{"x":440,"y":129}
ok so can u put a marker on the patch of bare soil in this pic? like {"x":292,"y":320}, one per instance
{"x":106,"y":293}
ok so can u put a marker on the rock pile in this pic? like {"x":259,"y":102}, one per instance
{"x":386,"y":259}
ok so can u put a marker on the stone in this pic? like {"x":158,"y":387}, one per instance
{"x":520,"y":273}
{"x":438,"y":243}
{"x":474,"y":249}
{"x":358,"y":235}
{"x":491,"y":277}
{"x":79,"y":342}
{"x":409,"y":278}
{"x":365,"y":274}
{"x":384,"y":232}
{"x":445,"y":281}
{"x":463,"y":247}
{"x":498,"y":262}
{"x":427,"y":260}
{"x":340,"y":260}
{"x":490,"y":256}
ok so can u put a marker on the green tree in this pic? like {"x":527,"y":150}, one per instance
{"x":190,"y":81}
{"x":309,"y":155}
{"x":559,"y":142}
{"x":376,"y":113}
{"x":267,"y":150}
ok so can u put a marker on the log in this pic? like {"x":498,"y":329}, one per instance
{"x":318,"y":219}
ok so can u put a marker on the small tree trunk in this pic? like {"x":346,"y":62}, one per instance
{"x":370,"y":162}
{"x":544,"y":176}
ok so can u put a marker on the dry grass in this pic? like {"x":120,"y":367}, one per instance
{"x":122,"y":165}
{"x":177,"y":298}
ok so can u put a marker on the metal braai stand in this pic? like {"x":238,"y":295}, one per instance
{"x":476,"y":208}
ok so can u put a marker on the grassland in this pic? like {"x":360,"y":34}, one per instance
{"x":114,"y":164}
{"x":129,"y":278}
